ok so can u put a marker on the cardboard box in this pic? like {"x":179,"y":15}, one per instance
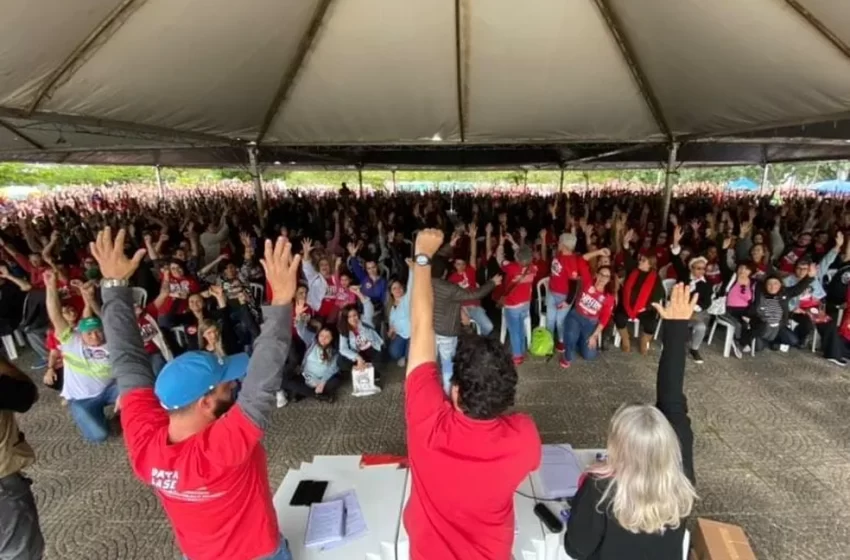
{"x":713,"y":540}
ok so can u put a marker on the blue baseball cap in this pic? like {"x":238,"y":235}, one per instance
{"x":194,"y":374}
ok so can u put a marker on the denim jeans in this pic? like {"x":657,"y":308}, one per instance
{"x":281,"y":553}
{"x":555,"y":317}
{"x":446,"y":347}
{"x":577,"y":331}
{"x":89,"y":417}
{"x":477,"y":314}
{"x":20,"y":531}
{"x":397,"y":348}
{"x":515,"y":322}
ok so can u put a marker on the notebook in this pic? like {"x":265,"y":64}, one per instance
{"x":354,"y":525}
{"x":325,"y":524}
{"x":559,"y":471}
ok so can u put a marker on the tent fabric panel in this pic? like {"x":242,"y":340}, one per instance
{"x":199,"y":65}
{"x":378,"y":72}
{"x":557,"y":75}
{"x":36,"y":37}
{"x":732,"y":65}
{"x":55,"y":136}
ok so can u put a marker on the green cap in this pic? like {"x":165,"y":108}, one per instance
{"x":89,"y":324}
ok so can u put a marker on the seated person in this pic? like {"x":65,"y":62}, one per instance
{"x":769,"y":313}
{"x":319,"y":370}
{"x":398,"y":333}
{"x":588,"y":317}
{"x":634,"y":504}
{"x":359,"y":343}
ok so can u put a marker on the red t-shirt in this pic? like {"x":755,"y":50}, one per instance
{"x":594,"y":304}
{"x":662,"y":255}
{"x":214,"y":486}
{"x":542,"y":270}
{"x":468,"y":281}
{"x":464,"y":474}
{"x":788,"y":263}
{"x":566,"y":268}
{"x":148,"y":328}
{"x":52,"y":343}
{"x":184,"y":286}
{"x":329,"y":302}
{"x":517,"y":286}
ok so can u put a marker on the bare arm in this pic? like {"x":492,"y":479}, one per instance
{"x":54,"y":307}
{"x":423,"y":347}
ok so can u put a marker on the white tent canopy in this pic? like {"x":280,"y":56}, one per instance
{"x":94,"y":77}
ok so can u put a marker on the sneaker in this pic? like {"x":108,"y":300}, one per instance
{"x":326,"y":398}
{"x":559,"y":347}
{"x":838,"y":361}
{"x":696,"y":357}
{"x":747,"y":349}
{"x":736,"y":351}
{"x":519,"y":360}
{"x":401,"y":362}
{"x":39,"y":366}
{"x":564,"y":363}
{"x":280,"y":398}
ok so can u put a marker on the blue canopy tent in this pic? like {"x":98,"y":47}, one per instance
{"x":742,"y":184}
{"x":832,"y":187}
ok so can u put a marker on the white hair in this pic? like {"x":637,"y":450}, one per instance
{"x":648,"y":490}
{"x":568,"y":240}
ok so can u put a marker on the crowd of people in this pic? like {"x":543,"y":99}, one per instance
{"x":162,"y":319}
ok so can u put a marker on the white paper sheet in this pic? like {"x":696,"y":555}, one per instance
{"x":325,"y":523}
{"x":355,"y":523}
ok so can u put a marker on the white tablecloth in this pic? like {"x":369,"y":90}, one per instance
{"x":380,"y":491}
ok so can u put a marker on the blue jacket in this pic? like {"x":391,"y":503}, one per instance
{"x":348,"y":346}
{"x":314,"y":369}
{"x":400,"y":314}
{"x":375,"y":290}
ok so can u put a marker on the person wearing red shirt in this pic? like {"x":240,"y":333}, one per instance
{"x":467,"y":455}
{"x":588,"y":318}
{"x":567,"y":267}
{"x":516,"y":299}
{"x":187,"y":437}
{"x":33,"y":265}
{"x":662,"y":249}
{"x":180,"y":287}
{"x":788,"y":262}
{"x":466,"y":276}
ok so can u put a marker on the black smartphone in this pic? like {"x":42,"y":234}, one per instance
{"x":545,"y":515}
{"x":309,"y":492}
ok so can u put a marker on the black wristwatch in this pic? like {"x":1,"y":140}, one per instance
{"x":422,"y":260}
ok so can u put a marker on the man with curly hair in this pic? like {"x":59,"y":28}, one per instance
{"x":467,"y":453}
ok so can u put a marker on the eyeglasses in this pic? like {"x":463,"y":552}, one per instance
{"x":699,"y":267}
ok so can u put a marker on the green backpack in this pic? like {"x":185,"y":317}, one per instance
{"x":542,"y":343}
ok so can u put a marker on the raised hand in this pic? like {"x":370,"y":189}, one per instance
{"x":813,"y":270}
{"x":4,"y":271}
{"x":677,"y":235}
{"x":306,"y":246}
{"x":472,"y":231}
{"x":428,"y":242}
{"x":727,"y":242}
{"x":281,"y":270}
{"x":497,"y":279}
{"x":109,"y":254}
{"x":681,"y":305}
{"x":839,"y":240}
{"x":352,"y":249}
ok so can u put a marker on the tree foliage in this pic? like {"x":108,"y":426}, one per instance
{"x":56,"y":175}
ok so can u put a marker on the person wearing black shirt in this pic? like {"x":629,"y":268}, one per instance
{"x":611,"y":518}
{"x":20,"y":532}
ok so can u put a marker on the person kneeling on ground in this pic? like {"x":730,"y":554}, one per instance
{"x":468,"y":515}
{"x":319,"y":370}
{"x":769,"y":312}
{"x":588,"y":318}
{"x":359,"y":343}
{"x":634,"y":503}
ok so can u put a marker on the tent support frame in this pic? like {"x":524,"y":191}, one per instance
{"x":111,"y":23}
{"x":821,"y":28}
{"x":21,"y":135}
{"x":257,"y":177}
{"x":460,"y":67}
{"x":159,"y":184}
{"x":628,"y":52}
{"x":288,"y":80}
{"x":672,"y":152}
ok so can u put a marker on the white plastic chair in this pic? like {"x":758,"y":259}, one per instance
{"x":140,"y":297}
{"x":180,"y":336}
{"x":258,"y":292}
{"x":9,"y":345}
{"x":504,"y":330}
{"x":636,"y":322}
{"x":542,"y":292}
{"x":719,"y":321}
{"x":668,"y":289}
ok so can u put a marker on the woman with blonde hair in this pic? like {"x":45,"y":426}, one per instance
{"x":633,"y":505}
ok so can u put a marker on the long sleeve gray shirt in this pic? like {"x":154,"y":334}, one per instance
{"x":448,"y":299}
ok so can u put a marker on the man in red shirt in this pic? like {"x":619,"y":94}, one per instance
{"x":186,"y":436}
{"x":467,"y":455}
{"x":567,"y":267}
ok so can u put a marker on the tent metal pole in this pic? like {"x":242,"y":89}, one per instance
{"x":159,"y":181}
{"x":764,"y":175}
{"x":360,"y":179}
{"x":258,"y":182}
{"x":393,"y":172}
{"x":672,"y":152}
{"x":561,"y":182}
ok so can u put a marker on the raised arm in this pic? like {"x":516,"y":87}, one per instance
{"x":670,"y":399}
{"x":92,"y":307}
{"x":423,"y":347}
{"x":265,"y":369}
{"x":23,"y":284}
{"x":130,"y":364}
{"x":54,"y":306}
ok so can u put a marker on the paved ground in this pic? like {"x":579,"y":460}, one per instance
{"x":772,"y":451}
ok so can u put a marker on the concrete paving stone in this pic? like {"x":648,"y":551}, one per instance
{"x":772,"y":449}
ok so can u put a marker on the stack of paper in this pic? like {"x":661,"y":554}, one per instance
{"x":325,"y":523}
{"x":354,"y":522}
{"x":559,"y":471}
